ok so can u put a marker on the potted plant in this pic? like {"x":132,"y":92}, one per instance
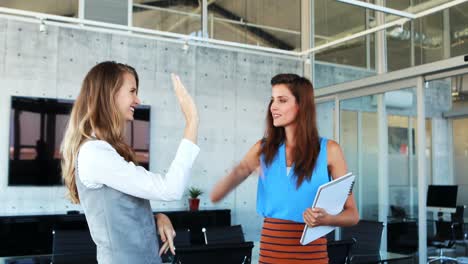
{"x":194,"y":202}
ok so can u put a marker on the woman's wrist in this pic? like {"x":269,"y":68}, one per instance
{"x":191,"y":132}
{"x":330,"y":220}
{"x":193,"y":123}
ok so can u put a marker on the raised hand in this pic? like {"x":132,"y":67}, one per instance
{"x":186,"y":102}
{"x":188,"y":107}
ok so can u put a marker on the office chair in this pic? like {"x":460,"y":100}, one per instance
{"x":368,"y":235}
{"x":224,"y":244}
{"x":457,"y":217}
{"x":73,"y":246}
{"x":444,"y":238}
{"x":339,"y":251}
{"x":223,"y":235}
{"x":181,"y":241}
{"x":447,"y":234}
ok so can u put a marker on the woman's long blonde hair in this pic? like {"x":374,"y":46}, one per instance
{"x":95,"y":111}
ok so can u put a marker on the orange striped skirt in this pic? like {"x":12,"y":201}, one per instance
{"x":279,"y":243}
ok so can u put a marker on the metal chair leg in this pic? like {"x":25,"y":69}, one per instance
{"x":441,"y":258}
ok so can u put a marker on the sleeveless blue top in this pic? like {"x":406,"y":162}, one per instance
{"x":277,"y":195}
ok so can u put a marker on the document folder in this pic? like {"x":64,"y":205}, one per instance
{"x":330,"y":196}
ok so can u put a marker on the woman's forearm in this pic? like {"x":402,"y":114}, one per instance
{"x":347,"y":217}
{"x":228,"y":183}
{"x":191,"y":131}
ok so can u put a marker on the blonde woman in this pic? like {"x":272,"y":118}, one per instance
{"x":100,"y":172}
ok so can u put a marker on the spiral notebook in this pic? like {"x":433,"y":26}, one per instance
{"x":330,"y":196}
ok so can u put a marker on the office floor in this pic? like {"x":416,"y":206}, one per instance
{"x":460,"y":252}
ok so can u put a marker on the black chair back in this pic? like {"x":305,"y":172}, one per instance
{"x":444,"y":231}
{"x":448,"y":232}
{"x":458,"y":220}
{"x":330,"y":236}
{"x":368,"y":235}
{"x":224,"y":244}
{"x":339,"y":251}
{"x":232,"y":253}
{"x":224,"y":235}
{"x":68,"y":246}
{"x":181,"y":240}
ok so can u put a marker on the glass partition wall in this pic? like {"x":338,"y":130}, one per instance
{"x":401,"y":112}
{"x":326,"y":119}
{"x":358,"y":139}
{"x":398,"y":142}
{"x":447,"y":104}
{"x":275,"y":24}
{"x":385,"y":195}
{"x":183,"y":17}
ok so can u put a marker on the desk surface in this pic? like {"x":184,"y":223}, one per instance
{"x":389,"y":256}
{"x":34,"y":259}
{"x":384,"y":257}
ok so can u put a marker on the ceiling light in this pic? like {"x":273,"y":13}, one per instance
{"x":379,"y":8}
{"x":42,"y":26}
{"x":185,"y":47}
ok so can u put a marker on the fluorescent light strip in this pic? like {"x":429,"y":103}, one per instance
{"x":379,"y":8}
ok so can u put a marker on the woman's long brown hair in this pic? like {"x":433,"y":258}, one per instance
{"x":95,"y":111}
{"x":307,"y":147}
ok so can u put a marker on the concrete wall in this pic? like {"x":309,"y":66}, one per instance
{"x":231,"y":90}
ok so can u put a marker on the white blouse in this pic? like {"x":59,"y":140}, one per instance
{"x":100,"y":164}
